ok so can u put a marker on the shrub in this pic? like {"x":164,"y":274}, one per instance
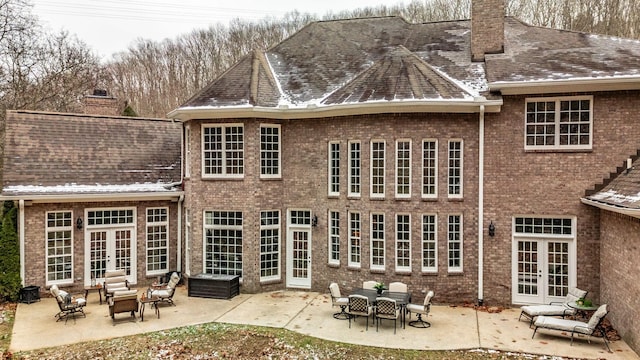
{"x":10,"y":282}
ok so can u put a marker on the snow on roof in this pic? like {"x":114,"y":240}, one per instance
{"x":88,"y":189}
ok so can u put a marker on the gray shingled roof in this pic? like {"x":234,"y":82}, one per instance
{"x":623,"y":190}
{"x":535,"y":53}
{"x":353,"y":61}
{"x":359,"y":61}
{"x":57,"y":153}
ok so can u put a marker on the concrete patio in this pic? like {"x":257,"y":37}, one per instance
{"x":308,"y":313}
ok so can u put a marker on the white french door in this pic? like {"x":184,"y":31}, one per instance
{"x":299,"y":250}
{"x":544,"y":269}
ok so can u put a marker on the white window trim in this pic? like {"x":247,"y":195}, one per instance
{"x":398,"y":267}
{"x":224,"y":175}
{"x":330,"y":237}
{"x":384,"y":242}
{"x":429,"y":269}
{"x":350,"y":183}
{"x":279,"y":174}
{"x":330,"y":169}
{"x":279,"y":228}
{"x":557,"y":145}
{"x":146,"y":245}
{"x":187,"y":150}
{"x":384,"y":165}
{"x":404,"y":196}
{"x":435,"y":193}
{"x":350,"y":236}
{"x":46,"y":249}
{"x":456,"y":269}
{"x":461,"y":194}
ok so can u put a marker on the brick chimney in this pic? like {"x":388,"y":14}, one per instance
{"x":487,"y":28}
{"x":100,"y":104}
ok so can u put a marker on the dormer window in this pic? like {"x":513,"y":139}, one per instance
{"x":559,"y":123}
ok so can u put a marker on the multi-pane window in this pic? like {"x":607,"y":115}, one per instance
{"x":334,"y":237}
{"x":403,"y":242}
{"x":223,"y":151}
{"x":377,"y":241}
{"x":454,"y":244}
{"x":269,"y":245}
{"x":549,"y":226}
{"x":559,"y":123}
{"x":355,"y":238}
{"x":59,"y":247}
{"x":429,"y":243}
{"x":269,"y":151}
{"x":334,"y":169}
{"x":187,"y":150}
{"x":223,"y":242}
{"x":429,"y":168}
{"x":110,"y":217}
{"x":403,"y":168}
{"x":157,"y":240}
{"x":377,"y":168}
{"x":354,"y":168}
{"x":455,"y":168}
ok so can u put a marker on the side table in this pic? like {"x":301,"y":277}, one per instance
{"x":88,"y":289}
{"x":583,"y":311}
{"x":154,"y":300}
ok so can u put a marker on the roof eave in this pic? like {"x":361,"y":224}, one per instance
{"x":565,"y":86}
{"x":95,"y":197}
{"x":616,"y":209}
{"x":323,"y":111}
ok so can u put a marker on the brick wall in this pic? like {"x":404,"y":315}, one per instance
{"x":35,"y":244}
{"x":101,"y":105}
{"x":304,"y":186}
{"x":620,"y":245}
{"x":487,"y":28}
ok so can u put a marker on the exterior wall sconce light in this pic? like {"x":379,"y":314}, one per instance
{"x":492,"y":229}
{"x":314,"y":221}
{"x":79,"y":224}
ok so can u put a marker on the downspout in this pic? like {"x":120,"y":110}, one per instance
{"x":21,"y":235}
{"x":179,"y":251}
{"x":481,"y":208}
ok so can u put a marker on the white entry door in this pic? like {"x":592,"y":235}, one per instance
{"x":299,"y":250}
{"x":544,"y":270}
{"x":110,"y":249}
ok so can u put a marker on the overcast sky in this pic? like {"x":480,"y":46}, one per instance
{"x":110,"y":26}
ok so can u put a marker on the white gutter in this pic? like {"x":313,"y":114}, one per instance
{"x":315,"y":111}
{"x":616,"y":209}
{"x":21,"y":235}
{"x":481,"y":207}
{"x":90,"y":197}
{"x":560,"y":86}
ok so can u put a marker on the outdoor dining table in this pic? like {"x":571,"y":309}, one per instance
{"x":401,"y":298}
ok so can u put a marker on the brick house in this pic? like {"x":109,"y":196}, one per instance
{"x":94,"y":192}
{"x":477,"y":158}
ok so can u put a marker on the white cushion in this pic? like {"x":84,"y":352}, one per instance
{"x":160,"y":293}
{"x":415,"y":308}
{"x":81,"y":301}
{"x":554,"y":323}
{"x":548,"y":310}
{"x":341,"y":301}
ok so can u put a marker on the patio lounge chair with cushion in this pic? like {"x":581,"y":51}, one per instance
{"x":554,"y":308}
{"x":421,"y":309}
{"x":166,"y":291}
{"x":114,"y":280}
{"x":123,"y":301}
{"x":359,"y":306}
{"x":591,"y":328}
{"x":338,"y":300}
{"x":68,"y":305}
{"x":387,"y":308}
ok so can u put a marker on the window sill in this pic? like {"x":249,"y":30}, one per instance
{"x":455,"y":199}
{"x":353,"y":268}
{"x":377,"y":271}
{"x":333,"y":265}
{"x":270,"y":282}
{"x":455,"y":273}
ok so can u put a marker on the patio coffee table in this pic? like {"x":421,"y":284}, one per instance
{"x":154,"y":300}
{"x":97,"y":288}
